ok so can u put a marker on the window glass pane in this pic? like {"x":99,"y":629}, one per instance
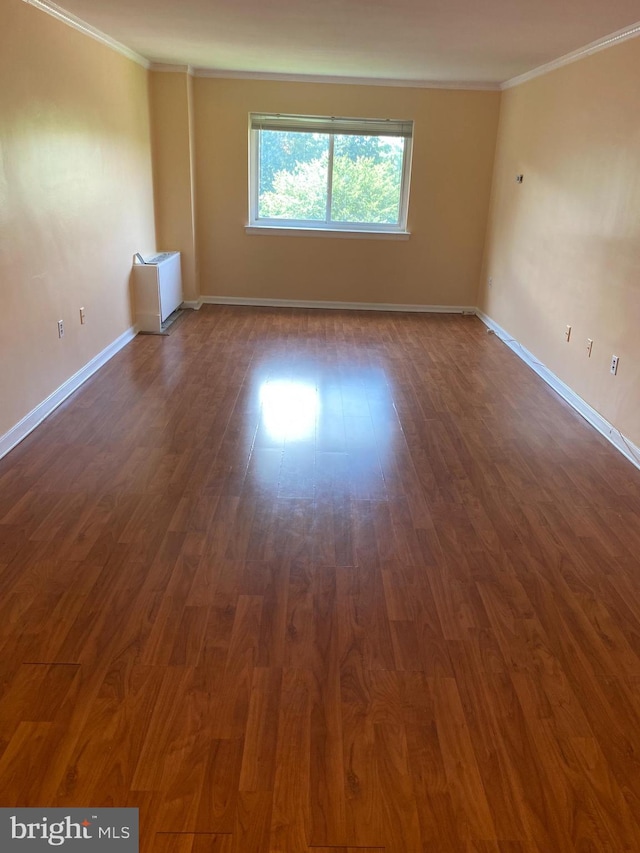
{"x":367,"y":178}
{"x":293,"y":175}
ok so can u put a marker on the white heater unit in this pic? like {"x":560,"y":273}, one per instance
{"x":157,"y":284}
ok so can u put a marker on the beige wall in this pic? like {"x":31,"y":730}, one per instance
{"x":171,"y":99}
{"x":75,"y":200}
{"x":564,"y":247}
{"x":452,"y":160}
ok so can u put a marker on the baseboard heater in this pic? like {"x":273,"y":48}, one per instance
{"x":157,"y":284}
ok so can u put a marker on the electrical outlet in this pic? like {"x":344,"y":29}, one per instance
{"x":614,"y":364}
{"x":60,"y":329}
{"x":490,"y":282}
{"x":567,"y":333}
{"x":589,"y":347}
{"x":82,"y":317}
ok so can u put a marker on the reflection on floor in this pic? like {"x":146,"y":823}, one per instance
{"x":290,"y":410}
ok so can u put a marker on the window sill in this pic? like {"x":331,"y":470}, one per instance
{"x":326,"y":232}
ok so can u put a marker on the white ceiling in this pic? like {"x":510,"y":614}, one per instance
{"x":446,"y":41}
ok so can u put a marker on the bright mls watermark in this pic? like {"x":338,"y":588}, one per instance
{"x":74,"y":830}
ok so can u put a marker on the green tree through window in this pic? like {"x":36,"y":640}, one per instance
{"x":330,"y":177}
{"x":367,"y":175}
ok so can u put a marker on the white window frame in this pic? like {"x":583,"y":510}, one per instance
{"x":334,"y":127}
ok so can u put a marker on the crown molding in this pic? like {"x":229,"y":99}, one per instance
{"x":77,"y":24}
{"x":166,"y":68}
{"x":346,"y":81}
{"x":601,"y":44}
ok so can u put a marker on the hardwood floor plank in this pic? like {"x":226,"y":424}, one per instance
{"x":252,"y":828}
{"x":171,"y":842}
{"x":460,"y":762}
{"x":21,"y":764}
{"x":401,"y":821}
{"x":36,"y":695}
{"x":231,"y":705}
{"x":362,"y":786}
{"x":219,"y":789}
{"x":168,"y":710}
{"x":438,"y":824}
{"x":102,"y":764}
{"x":327,"y":776}
{"x":293,"y":534}
{"x":290,"y":815}
{"x":260,"y":741}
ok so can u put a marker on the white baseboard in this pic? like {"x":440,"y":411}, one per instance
{"x":611,"y":433}
{"x":194,"y":304}
{"x":344,"y":306}
{"x":35,"y":417}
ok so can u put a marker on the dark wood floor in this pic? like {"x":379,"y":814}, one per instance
{"x":319,"y":581}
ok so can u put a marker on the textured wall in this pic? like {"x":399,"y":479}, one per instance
{"x":76,"y":200}
{"x":563,"y":248}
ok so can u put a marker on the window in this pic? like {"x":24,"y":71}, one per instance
{"x":329,"y":173}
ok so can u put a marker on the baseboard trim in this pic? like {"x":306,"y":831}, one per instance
{"x":608,"y":430}
{"x":194,"y":304}
{"x":35,"y":417}
{"x":343,"y":306}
